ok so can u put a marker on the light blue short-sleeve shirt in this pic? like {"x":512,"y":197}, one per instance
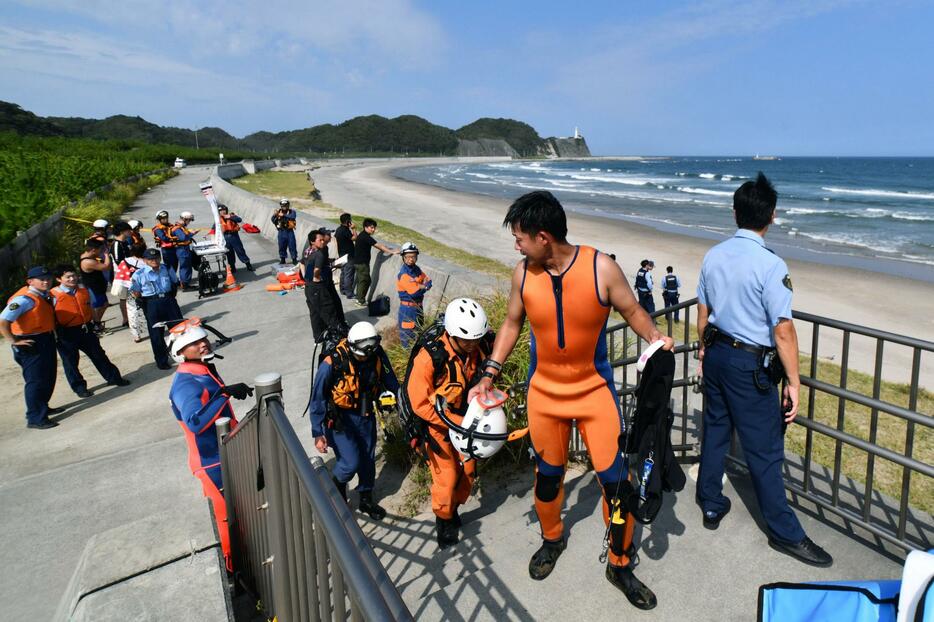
{"x":746,"y":288}
{"x":149,"y":282}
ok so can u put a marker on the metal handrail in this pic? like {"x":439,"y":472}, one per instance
{"x":805,"y":487}
{"x":298,"y":545}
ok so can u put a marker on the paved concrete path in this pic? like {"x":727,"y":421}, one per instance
{"x":119,"y":457}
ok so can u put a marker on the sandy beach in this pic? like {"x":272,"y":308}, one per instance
{"x":473,"y":222}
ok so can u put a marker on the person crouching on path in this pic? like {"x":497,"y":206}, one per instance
{"x":75,"y":334}
{"x":411,"y":283}
{"x":28,"y":322}
{"x":155,"y":287}
{"x":348,"y":382}
{"x":199,"y":398}
{"x":230,"y":226}
{"x":567,"y":292}
{"x":465,"y":343}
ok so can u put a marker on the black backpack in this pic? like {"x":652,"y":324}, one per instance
{"x":649,"y":440}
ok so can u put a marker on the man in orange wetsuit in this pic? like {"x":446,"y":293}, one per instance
{"x":448,"y":367}
{"x":567,"y":293}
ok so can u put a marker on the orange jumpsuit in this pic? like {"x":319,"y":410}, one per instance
{"x":451,"y":478}
{"x":570,"y":378}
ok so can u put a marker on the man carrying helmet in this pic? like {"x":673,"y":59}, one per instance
{"x":183,"y":239}
{"x":199,"y":397}
{"x":347,"y":384}
{"x":448,"y":368}
{"x":411,"y":283}
{"x":164,"y":240}
{"x":230,"y":227}
{"x":567,"y":293}
{"x":284,"y":220}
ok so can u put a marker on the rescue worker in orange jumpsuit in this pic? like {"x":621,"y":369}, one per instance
{"x":28,"y":322}
{"x":199,"y":398}
{"x":75,"y":333}
{"x":567,"y":292}
{"x":449,"y":367}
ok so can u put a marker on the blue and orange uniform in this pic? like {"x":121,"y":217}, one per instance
{"x":197,"y":403}
{"x":75,"y":333}
{"x":570,"y":378}
{"x":31,"y":314}
{"x":230,"y":227}
{"x":411,"y":283}
{"x":166,"y":244}
{"x":285,"y":224}
{"x":183,"y":239}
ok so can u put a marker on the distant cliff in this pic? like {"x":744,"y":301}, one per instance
{"x":371,"y":134}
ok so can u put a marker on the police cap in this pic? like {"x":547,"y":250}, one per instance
{"x":39,"y":272}
{"x":152,"y":253}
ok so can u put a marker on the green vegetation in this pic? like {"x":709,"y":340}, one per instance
{"x":521,"y":136}
{"x":68,"y":245}
{"x":275,"y":184}
{"x":39,"y":175}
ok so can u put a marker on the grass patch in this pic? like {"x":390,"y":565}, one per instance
{"x":890,"y":433}
{"x":296,"y":187}
{"x":68,"y":245}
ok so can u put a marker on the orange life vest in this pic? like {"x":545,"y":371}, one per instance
{"x":168,"y":236}
{"x":229,"y":226}
{"x":179,"y":242}
{"x":72,"y":309}
{"x":39,"y":319}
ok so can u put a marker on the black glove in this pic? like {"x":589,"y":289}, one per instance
{"x":238,"y":391}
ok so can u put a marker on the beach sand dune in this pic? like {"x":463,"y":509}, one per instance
{"x":473,"y":222}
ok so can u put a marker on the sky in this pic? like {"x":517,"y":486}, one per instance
{"x":712,"y":77}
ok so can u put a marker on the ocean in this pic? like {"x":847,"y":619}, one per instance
{"x":870,"y":213}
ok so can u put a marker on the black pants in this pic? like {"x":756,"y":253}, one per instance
{"x":324,"y":308}
{"x":159,"y":310}
{"x":71,"y":343}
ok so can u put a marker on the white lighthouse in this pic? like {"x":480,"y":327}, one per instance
{"x":577,"y":133}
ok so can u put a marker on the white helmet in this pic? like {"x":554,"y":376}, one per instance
{"x":187,"y":216}
{"x":409,"y":247}
{"x":362,"y":339}
{"x":161,"y":214}
{"x":134,"y":224}
{"x":183,"y":334}
{"x":100,"y":223}
{"x":283,"y":202}
{"x":484,"y":421}
{"x":466,"y":319}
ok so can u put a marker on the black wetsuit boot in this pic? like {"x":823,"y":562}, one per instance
{"x":635,"y":590}
{"x":545,"y":558}
{"x":341,"y":488}
{"x":370,"y":507}
{"x":447,"y":532}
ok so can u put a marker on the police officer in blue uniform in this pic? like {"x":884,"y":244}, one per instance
{"x":28,"y":322}
{"x":744,"y":315}
{"x":671,"y":284}
{"x":154,"y":286}
{"x":644,"y":285}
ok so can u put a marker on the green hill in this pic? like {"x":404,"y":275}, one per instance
{"x":521,"y":136}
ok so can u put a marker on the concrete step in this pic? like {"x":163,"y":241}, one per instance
{"x":167,"y":566}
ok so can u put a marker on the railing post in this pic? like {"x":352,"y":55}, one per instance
{"x":266,"y":386}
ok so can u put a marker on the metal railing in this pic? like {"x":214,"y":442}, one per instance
{"x":857,"y":503}
{"x":295,"y":542}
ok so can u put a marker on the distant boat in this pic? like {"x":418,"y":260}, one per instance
{"x":758,"y":157}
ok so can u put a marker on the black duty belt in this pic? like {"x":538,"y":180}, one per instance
{"x":739,"y":345}
{"x":154,"y":296}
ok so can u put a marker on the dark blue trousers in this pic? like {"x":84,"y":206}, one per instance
{"x":235,"y":249}
{"x":184,"y":255}
{"x":159,"y":310}
{"x":647,"y":302}
{"x":71,"y":342}
{"x":670,"y":301}
{"x":39,"y":365}
{"x":286,"y":238}
{"x":409,"y":318}
{"x":170,"y":259}
{"x":735,"y":402}
{"x":355,"y":447}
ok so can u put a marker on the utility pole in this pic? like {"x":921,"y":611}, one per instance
{"x":196,"y":140}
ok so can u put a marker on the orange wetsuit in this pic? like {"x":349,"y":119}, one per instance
{"x":570,"y":378}
{"x":451,"y":477}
